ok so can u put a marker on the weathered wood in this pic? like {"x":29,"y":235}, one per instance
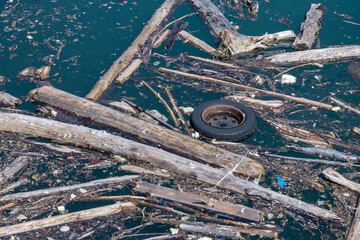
{"x":232,"y":43}
{"x":336,"y":177}
{"x":129,"y":70}
{"x":324,"y":55}
{"x":124,"y":60}
{"x":310,"y":27}
{"x":140,"y":170}
{"x":354,"y":231}
{"x":66,"y":218}
{"x":267,"y":103}
{"x":56,"y":190}
{"x":8,"y":100}
{"x":198,"y":201}
{"x":239,"y":86}
{"x":178,"y":26}
{"x":161,"y":38}
{"x":14,"y":168}
{"x":224,"y":231}
{"x":345,"y":105}
{"x":106,"y":142}
{"x":155,"y":134}
{"x":320,"y":161}
{"x":187,"y":37}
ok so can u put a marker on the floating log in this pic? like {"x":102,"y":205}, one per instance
{"x":354,"y":233}
{"x":266,"y":103}
{"x":239,"y":86}
{"x":13,"y":169}
{"x":187,"y":37}
{"x":152,"y":133}
{"x":67,"y":218}
{"x":106,"y":142}
{"x":310,"y":28}
{"x":323,"y":55}
{"x":8,"y":100}
{"x":140,"y":170}
{"x":124,"y":60}
{"x":232,"y":43}
{"x":198,"y":201}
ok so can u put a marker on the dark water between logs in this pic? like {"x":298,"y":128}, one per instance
{"x":95,"y":33}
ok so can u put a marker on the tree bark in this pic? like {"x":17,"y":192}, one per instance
{"x":310,"y":28}
{"x":124,"y":60}
{"x":152,"y":133}
{"x":8,"y":101}
{"x":14,"y":168}
{"x":106,"y":142}
{"x":198,"y":201}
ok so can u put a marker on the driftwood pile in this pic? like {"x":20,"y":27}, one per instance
{"x":199,"y":188}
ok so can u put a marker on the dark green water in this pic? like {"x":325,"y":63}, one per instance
{"x":97,"y":32}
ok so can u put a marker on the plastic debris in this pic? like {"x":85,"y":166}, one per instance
{"x":65,"y":228}
{"x":288,"y":79}
{"x":281,"y":182}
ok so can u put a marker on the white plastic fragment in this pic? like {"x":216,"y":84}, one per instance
{"x":65,"y":228}
{"x":61,"y":209}
{"x":335,"y":109}
{"x":174,"y":231}
{"x":187,"y":110}
{"x":288,"y":79}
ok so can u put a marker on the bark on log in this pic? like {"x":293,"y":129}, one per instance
{"x":56,"y":190}
{"x":155,"y":134}
{"x":324,"y":55}
{"x":239,"y":86}
{"x":310,"y":28}
{"x":199,"y":201}
{"x":232,"y":43}
{"x":66,"y":218}
{"x":7,"y":100}
{"x":14,"y":168}
{"x":124,"y":60}
{"x":106,"y":142}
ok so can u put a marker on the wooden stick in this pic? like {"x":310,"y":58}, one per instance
{"x":336,"y":177}
{"x":324,"y":55}
{"x":289,"y":69}
{"x":8,"y":100}
{"x":102,"y":141}
{"x":161,"y":38}
{"x":124,"y":60}
{"x":163,"y":102}
{"x":354,"y":231}
{"x":56,"y":190}
{"x":14,"y":168}
{"x":344,"y":105}
{"x":321,"y":161}
{"x":238,"y":86}
{"x":198,"y":201}
{"x":187,"y":37}
{"x":158,"y":135}
{"x":128,"y":71}
{"x":66,"y":218}
{"x":177,"y":110}
{"x":267,"y":103}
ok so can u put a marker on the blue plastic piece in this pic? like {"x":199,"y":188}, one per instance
{"x":163,"y":202}
{"x":281,"y":182}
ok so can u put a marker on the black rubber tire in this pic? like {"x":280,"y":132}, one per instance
{"x":245,"y":128}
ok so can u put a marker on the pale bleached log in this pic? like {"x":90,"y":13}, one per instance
{"x":354,"y":231}
{"x":323,"y":55}
{"x":14,"y":168}
{"x":132,"y":67}
{"x":198,"y":201}
{"x":161,"y":38}
{"x":124,"y":60}
{"x":239,"y":86}
{"x":310,"y":28}
{"x":336,"y":177}
{"x":8,"y":100}
{"x":56,"y":190}
{"x":103,"y":141}
{"x":187,"y":37}
{"x":66,"y":218}
{"x":155,"y":134}
{"x":140,"y":170}
{"x":266,"y":103}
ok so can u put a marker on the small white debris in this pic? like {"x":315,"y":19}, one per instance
{"x":174,"y":231}
{"x":187,"y":110}
{"x":195,"y":135}
{"x":288,"y":79}
{"x":270,"y":216}
{"x":65,"y":228}
{"x":21,"y":217}
{"x":61,"y":209}
{"x":346,"y":194}
{"x":119,"y":158}
{"x":29,"y":37}
{"x":72,"y":196}
{"x":204,"y":238}
{"x":156,"y":63}
{"x":335,"y":109}
{"x":82,"y":190}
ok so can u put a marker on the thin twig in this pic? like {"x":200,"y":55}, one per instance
{"x":301,"y":65}
{"x":163,"y":102}
{"x":172,"y":100}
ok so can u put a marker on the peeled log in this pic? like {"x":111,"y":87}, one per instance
{"x":310,"y":28}
{"x":149,"y":132}
{"x":324,"y":55}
